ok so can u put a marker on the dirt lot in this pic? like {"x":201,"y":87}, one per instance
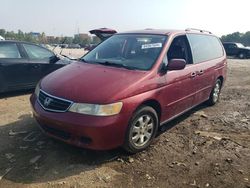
{"x":76,"y":53}
{"x":207,"y":147}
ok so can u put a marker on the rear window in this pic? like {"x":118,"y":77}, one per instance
{"x":204,"y":47}
{"x":9,"y":50}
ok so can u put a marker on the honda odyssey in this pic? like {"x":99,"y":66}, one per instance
{"x":122,"y":91}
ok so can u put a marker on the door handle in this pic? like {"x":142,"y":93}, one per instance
{"x":200,"y":72}
{"x":36,"y":66}
{"x":193,"y":74}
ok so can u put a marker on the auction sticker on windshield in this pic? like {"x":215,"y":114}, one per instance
{"x":153,"y":45}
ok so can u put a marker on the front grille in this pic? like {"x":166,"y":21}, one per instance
{"x":52,"y":103}
{"x":58,"y":133}
{"x":85,"y":140}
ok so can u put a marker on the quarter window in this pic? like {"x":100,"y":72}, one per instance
{"x":36,"y":52}
{"x":205,"y":47}
{"x":9,"y":50}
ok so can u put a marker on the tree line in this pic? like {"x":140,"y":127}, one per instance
{"x":11,"y":35}
{"x":243,"y":38}
{"x":42,"y":38}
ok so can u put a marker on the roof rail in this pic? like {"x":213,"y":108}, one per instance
{"x":199,"y":30}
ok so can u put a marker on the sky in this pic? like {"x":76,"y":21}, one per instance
{"x":68,"y":17}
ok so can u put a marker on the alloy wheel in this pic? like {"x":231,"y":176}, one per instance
{"x":241,"y":56}
{"x":142,"y":130}
{"x":216,"y":92}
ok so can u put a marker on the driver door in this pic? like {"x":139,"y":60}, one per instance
{"x":179,"y":90}
{"x":232,"y":49}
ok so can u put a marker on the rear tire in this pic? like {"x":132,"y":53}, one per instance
{"x":215,"y":93}
{"x":242,"y":55}
{"x":141,"y":130}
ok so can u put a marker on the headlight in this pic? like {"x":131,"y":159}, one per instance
{"x":97,"y":110}
{"x":37,"y":90}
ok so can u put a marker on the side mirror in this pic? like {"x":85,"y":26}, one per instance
{"x":176,"y":64}
{"x":53,"y":59}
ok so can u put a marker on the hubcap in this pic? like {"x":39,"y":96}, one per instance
{"x":241,"y":56}
{"x":142,"y":130}
{"x":216,"y":92}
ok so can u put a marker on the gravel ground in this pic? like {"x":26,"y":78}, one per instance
{"x":206,"y":147}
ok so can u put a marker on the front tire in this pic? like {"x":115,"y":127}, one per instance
{"x":215,"y":94}
{"x":141,"y":130}
{"x":242,"y":55}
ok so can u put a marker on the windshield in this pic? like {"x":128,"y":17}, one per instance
{"x":240,"y":45}
{"x":133,"y":51}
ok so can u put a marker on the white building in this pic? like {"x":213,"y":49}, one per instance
{"x":1,"y":38}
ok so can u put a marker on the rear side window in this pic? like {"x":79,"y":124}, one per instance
{"x":36,"y":52}
{"x":9,"y":50}
{"x":204,"y":47}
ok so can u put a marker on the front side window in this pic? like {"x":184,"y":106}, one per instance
{"x":204,"y":47}
{"x":232,"y":46}
{"x":132,"y":51}
{"x":9,"y":50}
{"x":180,"y":49}
{"x":36,"y":52}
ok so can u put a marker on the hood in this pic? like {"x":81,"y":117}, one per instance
{"x":247,"y":47}
{"x":93,"y":83}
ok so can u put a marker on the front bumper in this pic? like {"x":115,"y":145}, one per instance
{"x":93,"y":132}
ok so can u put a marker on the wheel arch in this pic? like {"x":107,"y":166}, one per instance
{"x":221,"y":78}
{"x":152,"y":103}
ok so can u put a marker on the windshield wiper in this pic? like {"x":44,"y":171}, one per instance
{"x":83,"y":60}
{"x":107,"y":63}
{"x":70,"y":58}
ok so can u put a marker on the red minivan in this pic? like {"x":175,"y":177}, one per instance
{"x":123,"y":90}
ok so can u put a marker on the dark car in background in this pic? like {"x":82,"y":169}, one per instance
{"x":237,"y":50}
{"x":23,"y":64}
